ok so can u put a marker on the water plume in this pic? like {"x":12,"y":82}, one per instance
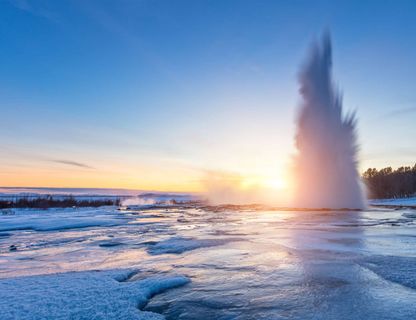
{"x":326,"y":164}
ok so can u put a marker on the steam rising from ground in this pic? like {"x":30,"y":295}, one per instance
{"x":226,"y":188}
{"x":231,"y":188}
{"x":326,"y":166}
{"x":136,"y":201}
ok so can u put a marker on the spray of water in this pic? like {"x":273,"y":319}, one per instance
{"x":326,"y":163}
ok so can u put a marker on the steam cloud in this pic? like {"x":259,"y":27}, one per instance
{"x":326,"y":165}
{"x":231,"y":188}
{"x":226,"y":188}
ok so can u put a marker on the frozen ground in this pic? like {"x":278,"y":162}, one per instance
{"x":207,"y":263}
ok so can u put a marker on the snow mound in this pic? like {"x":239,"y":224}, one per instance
{"x":179,"y":245}
{"x":82,"y":295}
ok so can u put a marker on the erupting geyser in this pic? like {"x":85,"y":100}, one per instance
{"x":326,"y":165}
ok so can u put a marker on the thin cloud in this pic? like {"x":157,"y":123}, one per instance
{"x":34,"y":9}
{"x":73,"y":163}
{"x":400,"y":112}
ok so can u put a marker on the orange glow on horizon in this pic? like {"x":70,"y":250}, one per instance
{"x":252,"y":187}
{"x":138,"y":180}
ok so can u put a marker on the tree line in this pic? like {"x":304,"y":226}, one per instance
{"x":49,"y":201}
{"x":390,"y":183}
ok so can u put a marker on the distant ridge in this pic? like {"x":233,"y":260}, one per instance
{"x":82,"y":191}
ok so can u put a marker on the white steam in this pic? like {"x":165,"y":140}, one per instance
{"x":326,"y":165}
{"x":137,"y":201}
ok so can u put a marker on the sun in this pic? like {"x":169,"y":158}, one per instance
{"x":275,"y":183}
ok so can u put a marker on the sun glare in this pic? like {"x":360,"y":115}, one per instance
{"x":276,"y":183}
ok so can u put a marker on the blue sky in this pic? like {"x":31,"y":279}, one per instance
{"x":154,"y":94}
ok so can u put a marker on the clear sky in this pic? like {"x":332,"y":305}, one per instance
{"x":157,"y":94}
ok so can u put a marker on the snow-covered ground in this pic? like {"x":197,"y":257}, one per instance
{"x":395,"y":202}
{"x":82,"y":295}
{"x":59,"y":219}
{"x":198,"y":263}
